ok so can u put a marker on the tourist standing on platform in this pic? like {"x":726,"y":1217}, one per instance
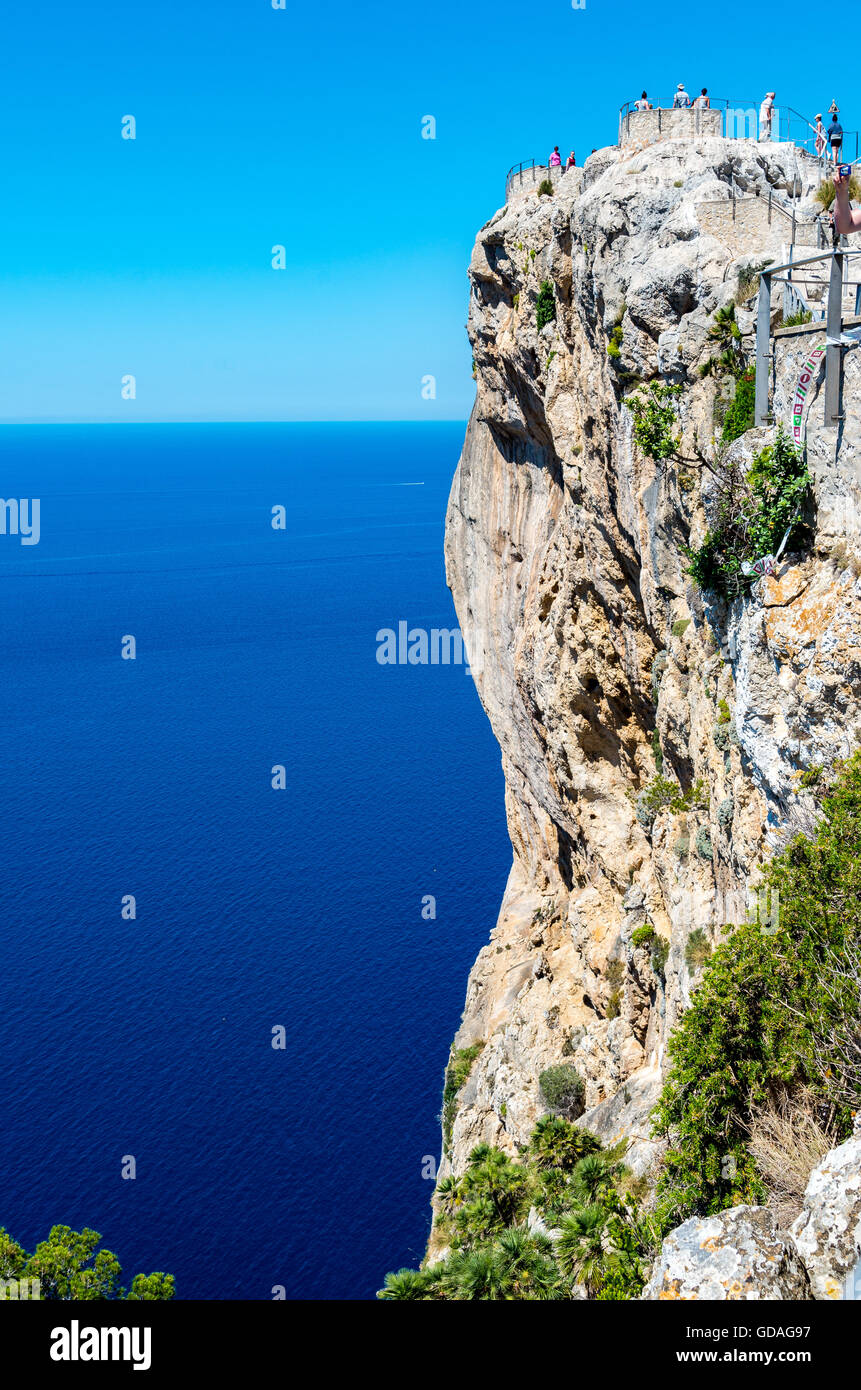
{"x":571,"y":161}
{"x":835,"y":134}
{"x":820,"y":142}
{"x":643,"y":104}
{"x":766,"y":115}
{"x":681,"y":99}
{"x":555,"y":158}
{"x":702,"y":101}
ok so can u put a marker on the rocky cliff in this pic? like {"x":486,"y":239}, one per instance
{"x":601,"y":662}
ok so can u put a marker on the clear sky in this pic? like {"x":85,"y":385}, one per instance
{"x":302,"y":127}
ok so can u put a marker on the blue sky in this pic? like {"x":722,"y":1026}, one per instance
{"x":302,"y":127}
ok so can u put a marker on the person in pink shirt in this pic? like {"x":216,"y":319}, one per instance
{"x":555,"y":158}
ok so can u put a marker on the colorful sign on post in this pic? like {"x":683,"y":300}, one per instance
{"x":808,"y":375}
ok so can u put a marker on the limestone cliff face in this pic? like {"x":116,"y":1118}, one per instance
{"x":565,"y":558}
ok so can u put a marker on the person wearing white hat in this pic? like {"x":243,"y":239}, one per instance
{"x":766,"y":114}
{"x":681,"y":98}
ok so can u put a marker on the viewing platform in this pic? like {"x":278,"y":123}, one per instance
{"x":724,"y":119}
{"x":528,"y":176}
{"x":638,"y":128}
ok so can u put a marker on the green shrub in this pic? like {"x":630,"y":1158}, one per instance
{"x":731,"y":360}
{"x":663,"y":793}
{"x":656,"y":752}
{"x":748,"y":280}
{"x":655,"y":411}
{"x":680,"y":627}
{"x":724,"y":715}
{"x":614,"y":1004}
{"x":605,"y":1242}
{"x":741,"y":414}
{"x":644,"y":935}
{"x":752,"y":515}
{"x":811,"y":776}
{"x":563,"y":1090}
{"x":545,"y":309}
{"x":614,"y":971}
{"x":798,"y":318}
{"x":697,"y":949}
{"x":726,"y":811}
{"x":456,"y":1076}
{"x":614,"y":344}
{"x":765,"y":996}
{"x":826,"y":192}
{"x":660,"y":953}
{"x":703,"y":844}
{"x":545,"y":189}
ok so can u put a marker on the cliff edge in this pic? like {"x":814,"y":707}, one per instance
{"x":603,"y":666}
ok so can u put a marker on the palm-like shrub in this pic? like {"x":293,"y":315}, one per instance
{"x":730,"y":359}
{"x":592,"y":1176}
{"x":406,"y":1284}
{"x":526,"y":1267}
{"x":556,"y":1143}
{"x":580,"y":1251}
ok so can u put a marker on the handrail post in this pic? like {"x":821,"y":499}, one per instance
{"x":763,"y":357}
{"x":833,"y":350}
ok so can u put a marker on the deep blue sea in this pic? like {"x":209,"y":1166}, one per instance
{"x":256,"y":908}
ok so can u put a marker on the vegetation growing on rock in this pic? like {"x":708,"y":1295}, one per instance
{"x":562,"y":1089}
{"x":776,"y":1008}
{"x":456,"y":1076}
{"x":545,"y":308}
{"x":752,"y":514}
{"x":591,"y":1233}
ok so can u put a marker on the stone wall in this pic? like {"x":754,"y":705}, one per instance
{"x":528,"y":180}
{"x":748,"y":226}
{"x":640,"y":128}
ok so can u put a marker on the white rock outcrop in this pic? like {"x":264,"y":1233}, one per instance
{"x":736,"y":1255}
{"x":827,"y":1233}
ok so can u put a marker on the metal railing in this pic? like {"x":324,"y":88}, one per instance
{"x":531,"y":174}
{"x":740,"y":121}
{"x":786,"y":210}
{"x":838,"y":287}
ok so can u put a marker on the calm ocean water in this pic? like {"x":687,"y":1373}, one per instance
{"x":255,"y":908}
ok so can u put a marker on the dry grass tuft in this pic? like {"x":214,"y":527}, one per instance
{"x":789,"y":1134}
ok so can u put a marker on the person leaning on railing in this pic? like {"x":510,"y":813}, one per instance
{"x":845,"y":219}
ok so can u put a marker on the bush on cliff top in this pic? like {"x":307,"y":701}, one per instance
{"x":769,"y":1000}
